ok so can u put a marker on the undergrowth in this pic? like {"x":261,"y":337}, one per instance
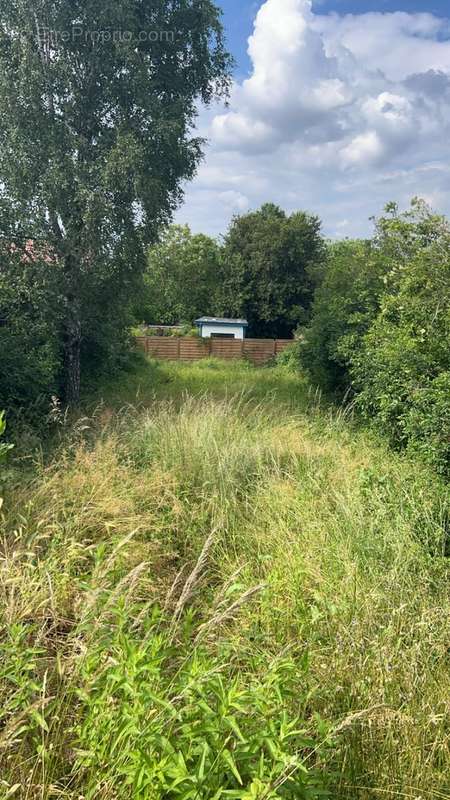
{"x":219,"y":588}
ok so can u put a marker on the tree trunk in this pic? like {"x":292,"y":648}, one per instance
{"x":72,"y":346}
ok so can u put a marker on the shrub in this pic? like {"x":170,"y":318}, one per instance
{"x":290,"y":357}
{"x":30,"y":357}
{"x":402,"y":370}
{"x":381,"y":328}
{"x":427,"y":425}
{"x":344,"y":307}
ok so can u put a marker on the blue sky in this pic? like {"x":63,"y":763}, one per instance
{"x":337,"y":107}
{"x":239,"y":17}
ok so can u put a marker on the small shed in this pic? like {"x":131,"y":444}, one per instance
{"x":221,"y":328}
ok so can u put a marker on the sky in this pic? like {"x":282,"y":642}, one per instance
{"x":337,"y":107}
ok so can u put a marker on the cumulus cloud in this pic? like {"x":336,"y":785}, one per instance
{"x":396,"y":43}
{"x":295,"y":86}
{"x":333,"y":104}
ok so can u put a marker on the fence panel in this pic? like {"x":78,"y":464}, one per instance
{"x":165,"y":347}
{"x":281,"y":344}
{"x":141,"y":342}
{"x":259,"y":351}
{"x":226,"y":348}
{"x":192,"y":349}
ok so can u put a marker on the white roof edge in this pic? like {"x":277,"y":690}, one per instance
{"x":224,"y":320}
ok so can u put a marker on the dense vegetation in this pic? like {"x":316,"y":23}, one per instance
{"x":181,"y":280}
{"x":265,"y":271}
{"x":222,"y":591}
{"x":212,"y":583}
{"x":270,"y":261}
{"x":95,"y":142}
{"x":380,"y":329}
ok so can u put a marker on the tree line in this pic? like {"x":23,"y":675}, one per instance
{"x":371,"y":316}
{"x":265,"y":270}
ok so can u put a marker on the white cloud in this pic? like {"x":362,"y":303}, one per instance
{"x":339,"y":115}
{"x":234,"y":200}
{"x":363,"y":149}
{"x":238,"y":131}
{"x":395,"y":43}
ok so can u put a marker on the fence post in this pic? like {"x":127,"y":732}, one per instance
{"x":178,"y":348}
{"x":274,"y":347}
{"x":146,"y":348}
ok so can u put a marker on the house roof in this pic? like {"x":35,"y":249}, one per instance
{"x":221,"y":321}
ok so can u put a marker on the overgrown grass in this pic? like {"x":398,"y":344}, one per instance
{"x":147,"y":381}
{"x":219,"y":588}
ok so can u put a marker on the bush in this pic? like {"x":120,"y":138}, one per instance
{"x":30,"y":356}
{"x":345,"y":305}
{"x":381,"y":329}
{"x":427,"y":425}
{"x":290,"y":357}
{"x":402,"y":370}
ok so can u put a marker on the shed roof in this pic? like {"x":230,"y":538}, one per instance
{"x":221,"y":321}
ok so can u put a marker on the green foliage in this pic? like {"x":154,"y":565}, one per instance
{"x":289,"y":358}
{"x":269,"y":265}
{"x":381,"y":328}
{"x":181,"y":278}
{"x":4,"y":448}
{"x":345,"y":305}
{"x":403,"y":371}
{"x":166,"y":721}
{"x":20,"y":683}
{"x":427,"y":423}
{"x":29,"y":314}
{"x":93,"y":166}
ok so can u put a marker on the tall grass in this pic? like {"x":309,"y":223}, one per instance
{"x":219,"y":588}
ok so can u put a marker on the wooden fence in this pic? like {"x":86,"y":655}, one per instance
{"x":259,"y":351}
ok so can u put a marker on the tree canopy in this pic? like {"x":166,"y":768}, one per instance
{"x":181,"y":279}
{"x":269,"y":263}
{"x":97,"y":104}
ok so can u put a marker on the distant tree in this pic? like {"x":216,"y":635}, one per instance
{"x":269,"y":266}
{"x":400,"y":235}
{"x":97,"y":103}
{"x":181,"y":279}
{"x":346,"y":303}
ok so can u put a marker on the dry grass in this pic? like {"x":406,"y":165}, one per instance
{"x":261,"y":524}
